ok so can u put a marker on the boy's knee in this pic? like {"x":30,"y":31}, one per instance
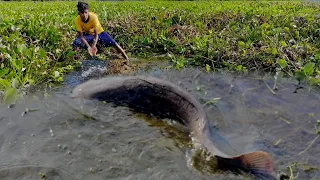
{"x":107,"y":40}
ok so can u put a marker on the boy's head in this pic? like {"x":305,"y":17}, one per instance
{"x":83,"y":10}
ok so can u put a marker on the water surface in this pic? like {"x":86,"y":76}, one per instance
{"x":61,"y":138}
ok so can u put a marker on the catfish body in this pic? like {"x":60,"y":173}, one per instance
{"x":163,"y":98}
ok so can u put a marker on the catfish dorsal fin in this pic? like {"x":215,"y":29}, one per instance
{"x":257,"y":162}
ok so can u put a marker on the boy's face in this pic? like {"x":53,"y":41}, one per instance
{"x":84,"y":16}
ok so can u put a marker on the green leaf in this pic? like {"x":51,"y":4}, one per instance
{"x":4,"y":83}
{"x":29,"y":53}
{"x":15,"y":83}
{"x":42,"y":53}
{"x":286,"y":29}
{"x":71,"y":53}
{"x":145,"y":41}
{"x":308,"y":69}
{"x":314,"y":81}
{"x":3,"y":72}
{"x":282,"y":63}
{"x":300,"y":75}
{"x":11,"y":75}
{"x":241,"y":43}
{"x":21,"y":48}
{"x":17,"y":64}
{"x":239,"y":67}
{"x":283,"y":43}
{"x":10,"y":96}
{"x":208,"y":68}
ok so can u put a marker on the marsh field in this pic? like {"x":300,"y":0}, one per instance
{"x":254,"y":65}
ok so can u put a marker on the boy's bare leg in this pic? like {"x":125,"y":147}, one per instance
{"x":120,"y":50}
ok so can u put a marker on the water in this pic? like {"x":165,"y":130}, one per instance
{"x":64,"y":139}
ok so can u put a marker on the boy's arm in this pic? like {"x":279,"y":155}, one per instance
{"x":95,"y":27}
{"x":95,"y":40}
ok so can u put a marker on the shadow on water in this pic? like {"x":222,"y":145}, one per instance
{"x":60,"y":138}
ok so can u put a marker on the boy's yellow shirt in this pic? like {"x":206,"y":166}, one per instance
{"x":89,"y":27}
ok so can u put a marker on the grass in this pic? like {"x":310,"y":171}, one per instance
{"x":278,"y":37}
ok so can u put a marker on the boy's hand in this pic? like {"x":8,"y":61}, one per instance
{"x":92,"y":50}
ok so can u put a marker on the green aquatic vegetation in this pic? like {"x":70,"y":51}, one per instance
{"x":30,"y":47}
{"x":212,"y":101}
{"x":35,"y":38}
{"x":294,"y":169}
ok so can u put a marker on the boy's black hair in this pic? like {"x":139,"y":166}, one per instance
{"x":82,"y":6}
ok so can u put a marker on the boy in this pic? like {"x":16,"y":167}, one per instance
{"x":90,"y":32}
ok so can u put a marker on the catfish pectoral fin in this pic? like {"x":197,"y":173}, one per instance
{"x":257,"y":163}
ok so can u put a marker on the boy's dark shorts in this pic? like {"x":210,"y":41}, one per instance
{"x":104,"y":39}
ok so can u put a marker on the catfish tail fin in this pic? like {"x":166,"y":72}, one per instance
{"x":257,"y":163}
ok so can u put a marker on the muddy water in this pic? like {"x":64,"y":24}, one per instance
{"x":63,"y":139}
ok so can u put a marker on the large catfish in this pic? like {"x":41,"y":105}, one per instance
{"x":163,"y":98}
